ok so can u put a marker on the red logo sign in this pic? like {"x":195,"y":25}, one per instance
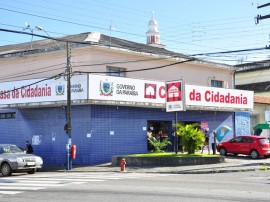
{"x":174,"y":92}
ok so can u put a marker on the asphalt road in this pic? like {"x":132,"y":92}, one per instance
{"x":112,"y":186}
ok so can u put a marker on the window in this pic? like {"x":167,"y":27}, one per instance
{"x":247,"y":140}
{"x":264,"y":140}
{"x":236,"y":140}
{"x":153,"y":39}
{"x":10,"y":115}
{"x":254,"y":120}
{"x":216,"y":83}
{"x":114,"y":71}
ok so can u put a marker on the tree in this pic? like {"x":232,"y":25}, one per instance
{"x":192,"y":138}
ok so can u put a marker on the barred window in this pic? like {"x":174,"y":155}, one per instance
{"x":114,"y":71}
{"x":216,"y":83}
{"x":10,"y":115}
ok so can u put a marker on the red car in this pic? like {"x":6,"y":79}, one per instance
{"x":255,"y":146}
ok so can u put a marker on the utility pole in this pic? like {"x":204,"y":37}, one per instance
{"x":68,"y":111}
{"x":259,"y":17}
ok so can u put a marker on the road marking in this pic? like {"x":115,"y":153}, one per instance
{"x":10,"y":192}
{"x":31,"y":185}
{"x":21,"y":183}
{"x":21,"y":188}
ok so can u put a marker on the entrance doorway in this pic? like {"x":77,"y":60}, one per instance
{"x":161,"y":129}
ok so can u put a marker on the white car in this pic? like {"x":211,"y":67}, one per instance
{"x":13,"y":159}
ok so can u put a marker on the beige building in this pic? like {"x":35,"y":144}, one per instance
{"x":101,"y":54}
{"x":256,"y":77}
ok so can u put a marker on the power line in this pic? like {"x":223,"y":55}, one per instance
{"x":139,"y":70}
{"x":89,"y":43}
{"x":120,"y":32}
{"x":234,"y":51}
{"x":31,"y":84}
{"x":68,"y":22}
{"x":7,"y":77}
{"x":42,"y":36}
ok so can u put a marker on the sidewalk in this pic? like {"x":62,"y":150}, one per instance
{"x":231,"y":164}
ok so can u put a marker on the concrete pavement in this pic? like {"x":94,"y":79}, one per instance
{"x":231,"y":164}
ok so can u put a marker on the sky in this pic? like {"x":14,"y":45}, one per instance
{"x":189,"y":27}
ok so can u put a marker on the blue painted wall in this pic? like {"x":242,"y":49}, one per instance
{"x":242,"y":123}
{"x":99,"y":132}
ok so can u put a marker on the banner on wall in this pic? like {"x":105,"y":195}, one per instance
{"x":219,"y":97}
{"x":42,"y":90}
{"x":147,"y":91}
{"x":126,"y":89}
{"x":221,"y":132}
{"x":204,"y":125}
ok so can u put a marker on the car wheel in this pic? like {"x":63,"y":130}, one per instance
{"x":6,"y":170}
{"x":254,"y":154}
{"x":223,"y":151}
{"x":33,"y":171}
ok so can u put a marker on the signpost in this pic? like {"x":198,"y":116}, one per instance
{"x":175,"y":101}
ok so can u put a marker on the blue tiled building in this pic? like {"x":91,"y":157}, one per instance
{"x":98,"y":131}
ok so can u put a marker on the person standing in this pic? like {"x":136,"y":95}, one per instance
{"x":206,"y":142}
{"x":29,"y":149}
{"x":150,"y":138}
{"x":214,"y":144}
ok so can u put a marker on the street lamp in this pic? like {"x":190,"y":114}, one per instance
{"x":67,"y":126}
{"x":39,"y":28}
{"x":27,"y":26}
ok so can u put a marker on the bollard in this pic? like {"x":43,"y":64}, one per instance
{"x":214,"y":148}
{"x":123,"y":165}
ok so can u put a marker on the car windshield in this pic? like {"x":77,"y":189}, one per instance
{"x":264,"y":140}
{"x":9,"y":149}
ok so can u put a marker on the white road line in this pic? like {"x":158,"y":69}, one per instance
{"x":30,"y":185}
{"x":60,"y":179}
{"x":10,"y":192}
{"x":26,"y":181}
{"x":21,"y":188}
{"x":22,"y":183}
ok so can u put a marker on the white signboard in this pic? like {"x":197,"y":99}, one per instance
{"x":134,"y":91}
{"x":41,"y":90}
{"x":126,"y":89}
{"x":219,"y":97}
{"x":175,"y":96}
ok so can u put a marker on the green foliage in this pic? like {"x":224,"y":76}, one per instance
{"x":159,"y":145}
{"x":191,"y":137}
{"x":170,"y":154}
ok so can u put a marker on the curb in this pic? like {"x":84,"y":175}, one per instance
{"x":215,"y":171}
{"x":210,"y":169}
{"x":138,"y":170}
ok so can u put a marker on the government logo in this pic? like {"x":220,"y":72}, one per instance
{"x":60,"y":89}
{"x":106,"y":88}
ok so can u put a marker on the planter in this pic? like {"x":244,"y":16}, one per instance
{"x":167,"y":161}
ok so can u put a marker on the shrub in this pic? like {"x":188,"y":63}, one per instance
{"x":159,"y":145}
{"x":192,"y":138}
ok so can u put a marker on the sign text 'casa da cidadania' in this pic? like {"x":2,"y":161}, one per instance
{"x":42,"y":90}
{"x":130,"y":91}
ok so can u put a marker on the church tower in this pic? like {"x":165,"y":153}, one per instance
{"x":153,"y":35}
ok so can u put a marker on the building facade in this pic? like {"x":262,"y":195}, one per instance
{"x":117,"y":92}
{"x":255,"y":77}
